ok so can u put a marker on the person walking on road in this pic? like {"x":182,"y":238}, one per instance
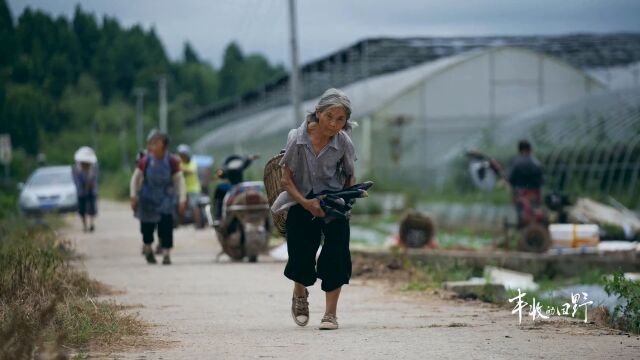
{"x":154,"y":185}
{"x":189,"y":169}
{"x":85,"y":177}
{"x":319,"y":156}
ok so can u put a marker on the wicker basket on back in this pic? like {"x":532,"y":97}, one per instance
{"x":272,"y":177}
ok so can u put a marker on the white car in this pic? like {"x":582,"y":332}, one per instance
{"x":49,"y":189}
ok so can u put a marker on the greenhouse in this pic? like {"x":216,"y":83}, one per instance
{"x":589,"y":146}
{"x":410,"y":120}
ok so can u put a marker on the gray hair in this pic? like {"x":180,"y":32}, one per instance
{"x":155,"y":134}
{"x":333,"y":97}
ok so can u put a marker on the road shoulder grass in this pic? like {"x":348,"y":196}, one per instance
{"x":48,"y":307}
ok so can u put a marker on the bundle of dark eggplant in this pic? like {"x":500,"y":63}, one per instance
{"x":337,"y":204}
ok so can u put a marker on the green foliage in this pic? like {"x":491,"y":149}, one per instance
{"x":27,"y":110}
{"x":66,"y":82}
{"x":180,"y":108}
{"x":256,"y":71}
{"x":80,"y":102}
{"x":116,"y":185}
{"x":190,"y":55}
{"x":8,"y":201}
{"x":611,"y":231}
{"x":21,"y":166}
{"x":231,"y":67}
{"x":8,"y":39}
{"x":431,"y":276}
{"x":626,"y":316}
{"x":202,"y":79}
{"x":242,"y":73}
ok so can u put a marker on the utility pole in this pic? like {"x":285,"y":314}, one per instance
{"x":123,"y":144}
{"x":295,"y":74}
{"x":94,"y":133}
{"x":162,"y":94}
{"x":139,"y":93}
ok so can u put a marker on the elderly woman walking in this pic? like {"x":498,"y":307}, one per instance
{"x":319,"y":156}
{"x":154,"y":186}
{"x":85,"y":177}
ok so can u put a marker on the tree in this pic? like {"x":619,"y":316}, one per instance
{"x":26,"y":112}
{"x":87,"y":32}
{"x":103,"y":69}
{"x":240,"y":74}
{"x":60,"y":75}
{"x":36,"y":35}
{"x":67,"y":46}
{"x":113,"y":121}
{"x":21,"y":70}
{"x":190,"y":55}
{"x":257,"y":72}
{"x":80,"y":103}
{"x":103,"y":65}
{"x":8,"y":50}
{"x":179,"y":110}
{"x":201,"y":80}
{"x":231,"y":71}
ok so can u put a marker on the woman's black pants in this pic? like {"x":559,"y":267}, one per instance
{"x":304,"y":235}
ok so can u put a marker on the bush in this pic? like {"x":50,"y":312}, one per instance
{"x":627,"y":315}
{"x":115,"y":185}
{"x":8,"y":202}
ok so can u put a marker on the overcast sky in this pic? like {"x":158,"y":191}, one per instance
{"x":327,"y":25}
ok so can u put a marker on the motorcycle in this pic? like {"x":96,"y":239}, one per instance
{"x":243,"y":224}
{"x":203,"y":206}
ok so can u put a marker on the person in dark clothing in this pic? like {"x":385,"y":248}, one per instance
{"x":526,"y":170}
{"x":526,"y":180}
{"x":85,"y":177}
{"x":232,"y":169}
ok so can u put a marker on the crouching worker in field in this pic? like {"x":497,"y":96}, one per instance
{"x":319,"y":156}
{"x":154,"y":185}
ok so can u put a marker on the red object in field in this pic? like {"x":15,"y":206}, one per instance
{"x":528,"y":203}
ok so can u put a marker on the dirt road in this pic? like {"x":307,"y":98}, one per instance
{"x":201,"y":309}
